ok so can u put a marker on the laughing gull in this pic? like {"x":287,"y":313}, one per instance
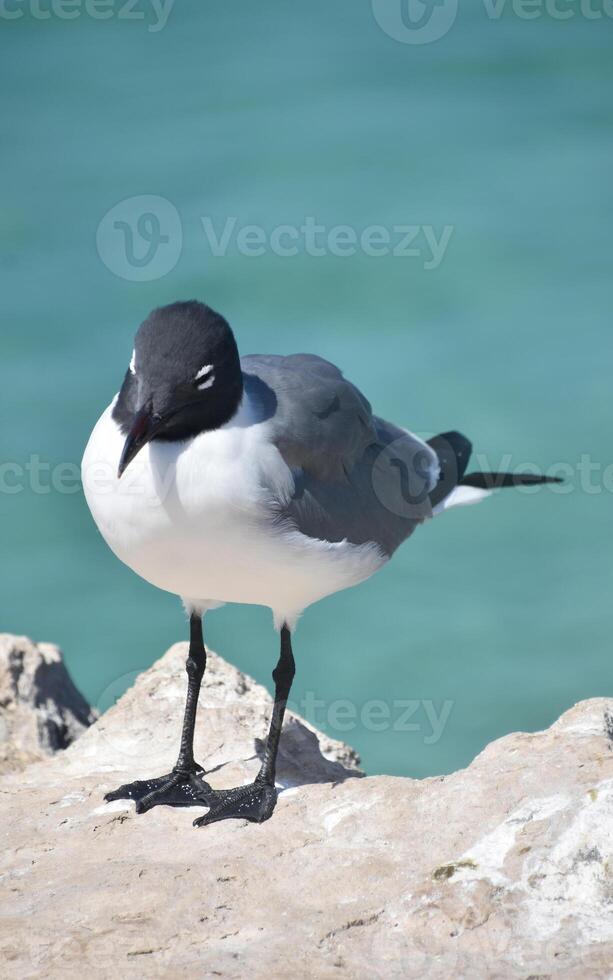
{"x":261,"y":479}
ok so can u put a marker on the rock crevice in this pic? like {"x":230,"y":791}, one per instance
{"x":41,"y":710}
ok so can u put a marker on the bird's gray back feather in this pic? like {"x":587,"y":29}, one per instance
{"x":357,"y":477}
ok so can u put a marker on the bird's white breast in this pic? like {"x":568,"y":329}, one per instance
{"x":203,"y":518}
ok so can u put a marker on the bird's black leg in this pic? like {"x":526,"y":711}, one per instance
{"x":257,"y":800}
{"x":184,"y":786}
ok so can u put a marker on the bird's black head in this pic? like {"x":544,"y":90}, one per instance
{"x":184,"y":377}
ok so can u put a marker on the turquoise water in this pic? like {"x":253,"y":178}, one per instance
{"x":492,"y":618}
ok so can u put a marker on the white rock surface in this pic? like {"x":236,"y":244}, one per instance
{"x":500,"y":870}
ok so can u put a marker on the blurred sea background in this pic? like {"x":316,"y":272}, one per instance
{"x":492,"y":618}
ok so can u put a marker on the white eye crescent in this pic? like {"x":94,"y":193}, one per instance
{"x":205,"y":377}
{"x":133,"y":363}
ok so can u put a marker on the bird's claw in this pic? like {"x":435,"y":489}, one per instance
{"x":175,"y":789}
{"x":254,"y":802}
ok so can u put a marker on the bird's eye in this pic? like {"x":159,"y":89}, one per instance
{"x":205,"y":377}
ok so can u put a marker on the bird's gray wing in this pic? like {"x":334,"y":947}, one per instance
{"x":357,"y":477}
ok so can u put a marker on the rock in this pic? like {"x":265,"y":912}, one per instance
{"x":501,"y":870}
{"x":41,"y":711}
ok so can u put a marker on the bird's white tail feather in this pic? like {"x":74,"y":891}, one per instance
{"x":460,"y":497}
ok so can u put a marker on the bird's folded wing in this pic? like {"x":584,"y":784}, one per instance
{"x":321,"y":423}
{"x":357,"y":477}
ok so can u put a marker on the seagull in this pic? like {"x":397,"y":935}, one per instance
{"x":265,"y":480}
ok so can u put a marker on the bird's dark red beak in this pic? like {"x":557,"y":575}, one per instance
{"x":145,"y":426}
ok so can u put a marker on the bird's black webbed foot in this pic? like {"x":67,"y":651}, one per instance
{"x":178,"y":788}
{"x":254,"y":802}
